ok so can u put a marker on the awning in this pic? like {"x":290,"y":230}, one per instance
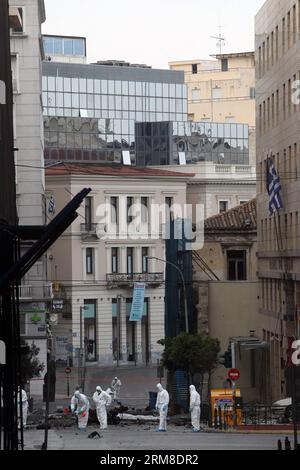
{"x":250,"y":343}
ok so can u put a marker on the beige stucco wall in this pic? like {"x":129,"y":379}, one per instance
{"x":232,"y":312}
{"x":214,"y":253}
{"x":235,"y":85}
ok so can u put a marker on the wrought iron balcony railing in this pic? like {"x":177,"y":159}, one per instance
{"x":130,"y":279}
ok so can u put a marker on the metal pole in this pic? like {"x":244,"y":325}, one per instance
{"x":233,"y":384}
{"x":295,"y":408}
{"x":81,"y":344}
{"x":118,"y":329}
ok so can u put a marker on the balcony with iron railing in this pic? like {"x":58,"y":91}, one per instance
{"x":125,"y":280}
{"x":25,"y":292}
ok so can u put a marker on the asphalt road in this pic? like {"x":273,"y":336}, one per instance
{"x":144,"y":437}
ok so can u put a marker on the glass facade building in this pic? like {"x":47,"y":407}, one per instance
{"x":64,"y":45}
{"x":161,"y":143}
{"x":91,"y":110}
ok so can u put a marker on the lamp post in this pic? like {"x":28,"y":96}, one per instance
{"x":184,"y":288}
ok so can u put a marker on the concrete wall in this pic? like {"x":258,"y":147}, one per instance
{"x":67,"y":265}
{"x":278,"y":130}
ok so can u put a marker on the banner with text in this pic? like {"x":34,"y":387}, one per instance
{"x":137,"y":307}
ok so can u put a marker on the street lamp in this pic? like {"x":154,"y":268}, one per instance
{"x":184,"y":288}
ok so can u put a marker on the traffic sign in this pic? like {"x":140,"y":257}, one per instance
{"x":234,"y":374}
{"x":68,"y":370}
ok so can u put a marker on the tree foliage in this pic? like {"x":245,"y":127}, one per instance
{"x":191,"y":353}
{"x":30,"y":364}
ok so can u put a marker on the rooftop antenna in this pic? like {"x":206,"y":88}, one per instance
{"x":220,"y":39}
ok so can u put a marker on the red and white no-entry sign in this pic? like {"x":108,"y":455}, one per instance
{"x":234,"y":374}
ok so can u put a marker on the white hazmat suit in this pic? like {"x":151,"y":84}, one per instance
{"x":195,"y":410}
{"x":101,"y":400}
{"x":162,"y":404}
{"x":24,"y":408}
{"x":116,"y":386}
{"x":81,"y":406}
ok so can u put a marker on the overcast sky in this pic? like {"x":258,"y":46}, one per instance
{"x":154,"y":31}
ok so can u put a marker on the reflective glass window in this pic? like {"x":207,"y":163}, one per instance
{"x":59,"y":84}
{"x":131,"y":102}
{"x":159,"y":104}
{"x":117,"y":126}
{"x":125,"y":115}
{"x":97,"y":102}
{"x":178,"y":106}
{"x":111,"y":87}
{"x":83,"y":101}
{"x":152,"y":104}
{"x":48,"y":45}
{"x":118,"y":87}
{"x":75,"y":100}
{"x":233,"y":130}
{"x":67,"y":100}
{"x":165,"y":105}
{"x":67,"y":84}
{"x":166,"y":90}
{"x":159,"y":89}
{"x":139,"y":103}
{"x":51,"y":83}
{"x":104,"y":86}
{"x":111,"y":102}
{"x":138,"y":88}
{"x":57,"y":46}
{"x":104,"y":101}
{"x":44,"y":83}
{"x":125,"y":102}
{"x":90,"y":101}
{"x":78,"y":47}
{"x":152,"y":89}
{"x":132,"y":88}
{"x":125,"y":127}
{"x":97,"y":87}
{"x":90,"y":86}
{"x":51,"y":99}
{"x":179,"y":91}
{"x":82,"y":85}
{"x":75,"y":85}
{"x":172,"y":90}
{"x":68,"y":46}
{"x":118,"y":102}
{"x":184,"y":91}
{"x":45,"y":99}
{"x":125,"y":88}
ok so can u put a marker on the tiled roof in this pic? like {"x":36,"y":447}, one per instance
{"x":241,"y":218}
{"x":114,"y":170}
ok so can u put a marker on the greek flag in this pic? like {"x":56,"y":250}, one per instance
{"x":274,"y":188}
{"x":51,"y":207}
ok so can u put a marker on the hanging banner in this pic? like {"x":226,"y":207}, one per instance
{"x":137,"y":307}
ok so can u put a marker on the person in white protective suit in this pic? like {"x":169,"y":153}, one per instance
{"x":80,"y":405}
{"x":24,"y":404}
{"x":195,"y":403}
{"x":162,"y":404}
{"x":116,"y":386}
{"x":102,"y":400}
